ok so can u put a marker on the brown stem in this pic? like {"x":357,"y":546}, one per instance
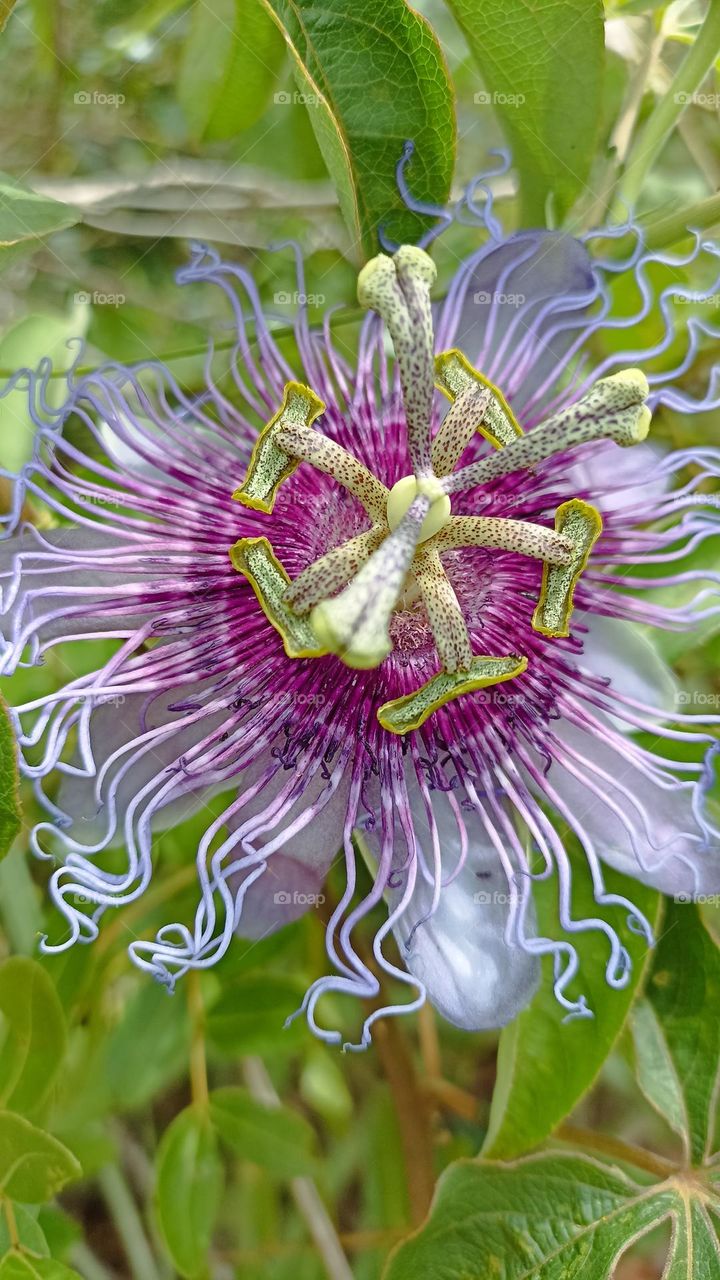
{"x":413,"y":1113}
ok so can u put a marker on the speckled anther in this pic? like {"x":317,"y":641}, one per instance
{"x":351,"y":600}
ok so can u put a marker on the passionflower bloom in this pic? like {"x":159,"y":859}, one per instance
{"x":395,"y":610}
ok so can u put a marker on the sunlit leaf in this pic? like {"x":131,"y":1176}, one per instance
{"x":372,"y":77}
{"x":542,"y":67}
{"x":230,"y":63}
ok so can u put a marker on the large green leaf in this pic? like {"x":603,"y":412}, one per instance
{"x":25,"y":215}
{"x":189,"y":1185}
{"x":540,"y":1055}
{"x":372,"y":77}
{"x":10,"y":820}
{"x":35,"y":1040}
{"x":276,"y":1138}
{"x":33,"y":1165}
{"x":677,"y":1034}
{"x":230,"y":63}
{"x":542,"y":65}
{"x":555,"y":1217}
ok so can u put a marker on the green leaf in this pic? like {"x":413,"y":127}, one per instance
{"x":372,"y":77}
{"x":540,"y":1056}
{"x":250,"y":1016}
{"x":542,"y":64}
{"x":33,"y":1165}
{"x":554,"y":1217}
{"x":20,"y":1266}
{"x":230,"y":64}
{"x":677,"y":1037}
{"x":275,"y":1138}
{"x":189,"y":1186}
{"x":25,"y":215}
{"x":28,"y":1232}
{"x":10,"y":819}
{"x":35,"y":1041}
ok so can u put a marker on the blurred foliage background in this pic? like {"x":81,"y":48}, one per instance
{"x":199,"y":1137}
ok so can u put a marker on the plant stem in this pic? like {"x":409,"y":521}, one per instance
{"x":128,"y":1223}
{"x":650,"y":140}
{"x":625,"y":1151}
{"x":413,"y":1113}
{"x":198,"y":1057}
{"x":305,"y":1193}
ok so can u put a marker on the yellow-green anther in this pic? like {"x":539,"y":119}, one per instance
{"x":401,"y":715}
{"x":612,"y":410}
{"x":332,"y":571}
{"x":270,"y":464}
{"x":306,"y":445}
{"x":522,"y":536}
{"x":356,"y":624}
{"x":581,"y":525}
{"x":454,"y":376}
{"x":458,"y":428}
{"x":256,"y":560}
{"x":444,"y":613}
{"x":398,"y":289}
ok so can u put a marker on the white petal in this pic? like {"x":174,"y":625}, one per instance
{"x":670,"y":855}
{"x":472,"y":976}
{"x":623,"y":651}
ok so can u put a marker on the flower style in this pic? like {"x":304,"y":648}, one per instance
{"x":386,"y":632}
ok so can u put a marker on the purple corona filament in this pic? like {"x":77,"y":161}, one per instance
{"x":378,"y":624}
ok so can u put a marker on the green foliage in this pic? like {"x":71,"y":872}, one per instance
{"x":541,"y":1056}
{"x":278,"y":1139}
{"x":189,"y":1185}
{"x":26,"y":216}
{"x":10,"y":819}
{"x":542,"y":64}
{"x":373,"y":77}
{"x":555,"y":1217}
{"x":130,"y":129}
{"x":34,"y":1166}
{"x":230,"y":63}
{"x":35,"y":1041}
{"x":677,"y":1045}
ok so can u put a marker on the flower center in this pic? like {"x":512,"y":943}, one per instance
{"x":344,"y":602}
{"x":403,"y":494}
